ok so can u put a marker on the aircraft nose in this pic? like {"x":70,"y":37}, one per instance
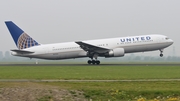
{"x":171,"y":41}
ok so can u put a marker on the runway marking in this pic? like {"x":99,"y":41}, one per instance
{"x":137,"y":80}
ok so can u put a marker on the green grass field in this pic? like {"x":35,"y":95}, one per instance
{"x":114,"y":91}
{"x":90,"y":72}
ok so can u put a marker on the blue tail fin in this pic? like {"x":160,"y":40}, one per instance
{"x":21,"y":39}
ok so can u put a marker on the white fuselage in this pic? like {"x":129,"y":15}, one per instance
{"x":70,"y":50}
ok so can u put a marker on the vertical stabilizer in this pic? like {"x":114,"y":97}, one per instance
{"x":21,"y":39}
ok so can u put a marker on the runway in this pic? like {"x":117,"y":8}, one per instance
{"x":120,"y":64}
{"x":137,"y":80}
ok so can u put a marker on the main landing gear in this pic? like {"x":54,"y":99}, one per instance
{"x":93,"y":62}
{"x":161,"y":54}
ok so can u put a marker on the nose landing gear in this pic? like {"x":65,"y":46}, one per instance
{"x":161,"y":54}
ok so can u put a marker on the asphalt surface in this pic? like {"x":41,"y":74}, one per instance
{"x":145,"y":64}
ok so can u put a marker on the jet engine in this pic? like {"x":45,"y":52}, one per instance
{"x":117,"y":52}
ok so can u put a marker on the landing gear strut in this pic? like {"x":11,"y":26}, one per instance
{"x":161,"y":54}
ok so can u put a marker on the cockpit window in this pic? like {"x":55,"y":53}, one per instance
{"x":167,"y":38}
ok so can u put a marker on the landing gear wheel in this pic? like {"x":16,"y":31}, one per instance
{"x":93,"y":62}
{"x":97,"y":62}
{"x":89,"y":62}
{"x":161,"y":55}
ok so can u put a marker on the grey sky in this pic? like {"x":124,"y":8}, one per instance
{"x":53,"y":21}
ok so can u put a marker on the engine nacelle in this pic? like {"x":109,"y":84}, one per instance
{"x":117,"y":52}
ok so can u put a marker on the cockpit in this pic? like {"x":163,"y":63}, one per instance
{"x":167,"y":38}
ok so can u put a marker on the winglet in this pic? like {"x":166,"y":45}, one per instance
{"x":21,"y":39}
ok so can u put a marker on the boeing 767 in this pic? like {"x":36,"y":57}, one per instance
{"x":110,"y":47}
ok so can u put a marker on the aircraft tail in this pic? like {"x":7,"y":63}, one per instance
{"x":21,"y":39}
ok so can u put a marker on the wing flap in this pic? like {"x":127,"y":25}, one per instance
{"x":92,"y":48}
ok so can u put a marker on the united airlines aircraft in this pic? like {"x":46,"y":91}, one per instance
{"x":111,"y":47}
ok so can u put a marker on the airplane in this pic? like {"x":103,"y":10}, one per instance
{"x":110,"y":47}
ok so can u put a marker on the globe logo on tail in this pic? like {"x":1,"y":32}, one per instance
{"x":25,"y":41}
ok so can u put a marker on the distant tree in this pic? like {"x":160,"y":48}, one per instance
{"x":147,"y":58}
{"x":1,"y":55}
{"x":137,"y":58}
{"x":169,"y":58}
{"x":7,"y":54}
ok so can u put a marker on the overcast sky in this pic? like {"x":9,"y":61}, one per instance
{"x":54,"y":21}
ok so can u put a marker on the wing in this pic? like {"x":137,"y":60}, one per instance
{"x":22,"y":51}
{"x":92,"y":48}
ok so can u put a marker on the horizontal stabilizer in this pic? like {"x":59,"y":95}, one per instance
{"x":22,"y":51}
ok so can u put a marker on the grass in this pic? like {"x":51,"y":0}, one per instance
{"x":114,"y":91}
{"x":121,"y":91}
{"x":90,"y":72}
{"x":45,"y":98}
